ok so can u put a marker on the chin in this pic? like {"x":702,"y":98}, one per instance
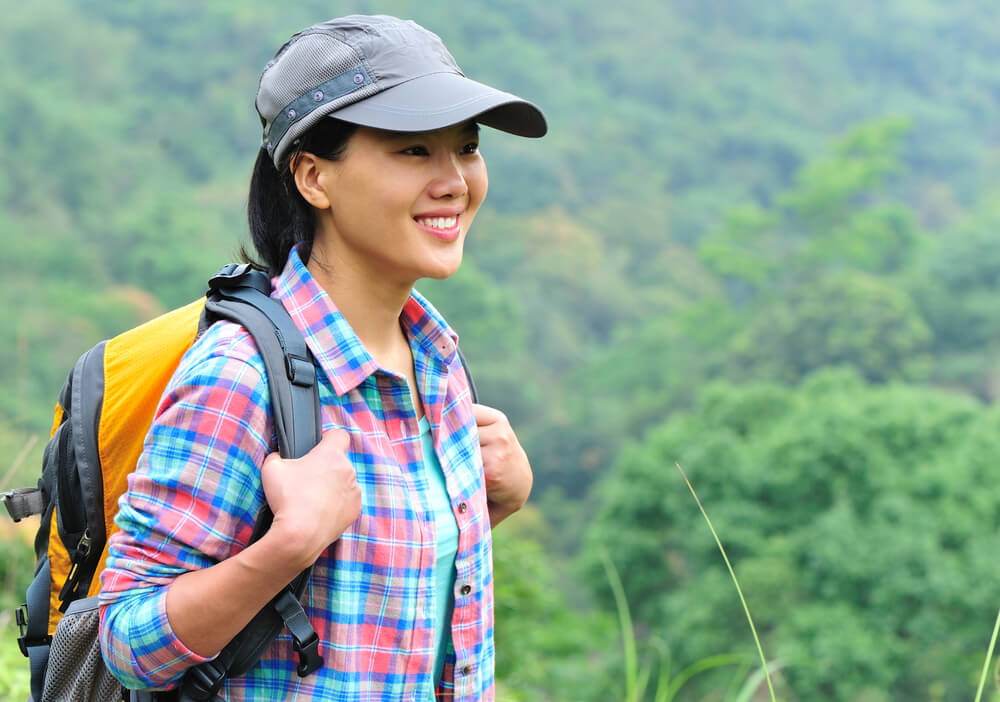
{"x":442,"y":269}
{"x":442,"y":273}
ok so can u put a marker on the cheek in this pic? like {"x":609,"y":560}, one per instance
{"x":478,"y":182}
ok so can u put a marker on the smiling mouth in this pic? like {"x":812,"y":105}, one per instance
{"x":439,"y":223}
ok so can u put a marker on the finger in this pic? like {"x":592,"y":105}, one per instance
{"x":491,"y":433}
{"x":486,"y":415}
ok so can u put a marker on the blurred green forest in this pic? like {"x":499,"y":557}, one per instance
{"x":762,"y":239}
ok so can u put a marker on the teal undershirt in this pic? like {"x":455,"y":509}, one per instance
{"x":447,"y":547}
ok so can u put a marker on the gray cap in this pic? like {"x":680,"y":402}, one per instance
{"x":382,"y":72}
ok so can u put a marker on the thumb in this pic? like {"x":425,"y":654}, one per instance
{"x":332,"y":442}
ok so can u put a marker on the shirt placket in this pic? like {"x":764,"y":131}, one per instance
{"x":403,"y":430}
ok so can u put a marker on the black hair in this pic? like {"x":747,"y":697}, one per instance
{"x":278,"y":215}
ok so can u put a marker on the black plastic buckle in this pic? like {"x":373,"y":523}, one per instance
{"x":23,"y":641}
{"x":21,"y":617}
{"x":235,"y":275}
{"x":309,"y":659}
{"x":203,"y":681}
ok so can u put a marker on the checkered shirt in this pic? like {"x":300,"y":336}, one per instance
{"x":195,"y":494}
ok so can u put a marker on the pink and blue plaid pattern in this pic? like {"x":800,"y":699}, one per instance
{"x":194,"y":496}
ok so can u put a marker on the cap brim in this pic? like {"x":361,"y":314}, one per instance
{"x":441,"y":100}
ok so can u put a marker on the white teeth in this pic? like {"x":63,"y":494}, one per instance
{"x":438,"y":222}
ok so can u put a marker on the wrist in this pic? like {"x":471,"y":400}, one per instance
{"x":289,"y":546}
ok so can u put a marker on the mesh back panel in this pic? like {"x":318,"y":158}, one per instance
{"x":76,"y":671}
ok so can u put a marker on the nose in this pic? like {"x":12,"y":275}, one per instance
{"x":449,"y":179}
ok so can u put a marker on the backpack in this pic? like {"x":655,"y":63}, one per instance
{"x":101,"y":419}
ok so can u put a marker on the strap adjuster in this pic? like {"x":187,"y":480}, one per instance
{"x":235,"y":275}
{"x":204,"y":680}
{"x":300,"y":370}
{"x":304,"y":637}
{"x":309,"y":659}
{"x":23,"y":502}
{"x":24,"y":642}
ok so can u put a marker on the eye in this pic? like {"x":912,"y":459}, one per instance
{"x":471,"y":148}
{"x":415,"y":151}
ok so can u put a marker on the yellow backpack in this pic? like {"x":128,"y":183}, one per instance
{"x":104,"y":411}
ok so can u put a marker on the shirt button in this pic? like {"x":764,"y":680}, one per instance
{"x":463,"y":507}
{"x":467,"y":670}
{"x":466,"y":589}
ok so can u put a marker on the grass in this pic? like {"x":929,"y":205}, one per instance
{"x":989,"y":657}
{"x":736,"y":582}
{"x":637,"y":678}
{"x":14,"y":681}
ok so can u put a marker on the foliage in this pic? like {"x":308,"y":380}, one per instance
{"x":14,"y":680}
{"x":730,"y":193}
{"x":547,"y":647}
{"x":855,"y":520}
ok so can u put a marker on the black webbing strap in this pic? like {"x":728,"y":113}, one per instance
{"x":306,"y":641}
{"x":23,"y":502}
{"x":468,"y":376}
{"x":240,"y":294}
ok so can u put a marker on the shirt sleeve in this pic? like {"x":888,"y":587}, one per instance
{"x":191,"y":503}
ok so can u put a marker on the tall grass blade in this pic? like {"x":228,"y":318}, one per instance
{"x":989,"y":657}
{"x":734,"y":684}
{"x":632,"y":682}
{"x":739,"y":590}
{"x":699,"y":667}
{"x":753,"y":682}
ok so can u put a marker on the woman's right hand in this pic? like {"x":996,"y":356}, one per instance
{"x":313,"y":498}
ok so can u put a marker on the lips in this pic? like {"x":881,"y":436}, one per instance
{"x":446,"y":227}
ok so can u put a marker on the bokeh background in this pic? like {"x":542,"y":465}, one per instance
{"x":762,"y":239}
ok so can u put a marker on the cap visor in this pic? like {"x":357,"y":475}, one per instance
{"x":441,"y":100}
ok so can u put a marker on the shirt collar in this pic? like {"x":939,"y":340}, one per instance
{"x":334,"y":343}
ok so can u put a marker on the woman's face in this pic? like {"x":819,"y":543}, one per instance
{"x":401,"y":203}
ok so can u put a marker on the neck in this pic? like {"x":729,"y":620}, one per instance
{"x":371,"y":304}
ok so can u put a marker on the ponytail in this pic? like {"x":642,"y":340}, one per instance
{"x":278,"y":215}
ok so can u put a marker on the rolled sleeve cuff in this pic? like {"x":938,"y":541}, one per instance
{"x":140,"y":647}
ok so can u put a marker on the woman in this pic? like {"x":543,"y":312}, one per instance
{"x":368,"y":180}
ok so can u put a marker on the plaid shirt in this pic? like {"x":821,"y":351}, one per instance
{"x":196,"y":492}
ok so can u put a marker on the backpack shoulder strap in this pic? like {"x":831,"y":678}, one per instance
{"x":468,"y":376}
{"x":240,"y":294}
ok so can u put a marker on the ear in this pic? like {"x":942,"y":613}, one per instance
{"x":309,"y":172}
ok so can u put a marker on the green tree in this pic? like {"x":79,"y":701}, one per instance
{"x":858,"y":519}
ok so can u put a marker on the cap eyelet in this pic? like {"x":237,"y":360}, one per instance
{"x":358,"y":79}
{"x":292,"y":114}
{"x":318,"y":96}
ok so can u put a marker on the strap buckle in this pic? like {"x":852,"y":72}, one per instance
{"x":309,"y":659}
{"x":23,"y":502}
{"x":24,"y":642}
{"x":203,"y":681}
{"x":304,"y":637}
{"x":235,"y":275}
{"x":21,"y":617}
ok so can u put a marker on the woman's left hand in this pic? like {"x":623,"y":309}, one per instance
{"x":508,"y":473}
